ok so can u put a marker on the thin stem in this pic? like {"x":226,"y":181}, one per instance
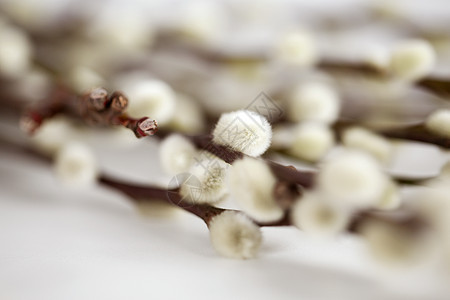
{"x":433,"y":84}
{"x":415,"y":132}
{"x":206,"y":212}
{"x":406,"y":219}
{"x":283,"y":173}
{"x":145,"y":193}
{"x":351,"y":67}
{"x":436,"y":85}
{"x":94,"y":108}
{"x":139,"y":193}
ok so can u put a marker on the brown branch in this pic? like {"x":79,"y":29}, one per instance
{"x":59,"y":101}
{"x":415,"y":132}
{"x":205,"y":142}
{"x":283,"y":173}
{"x":418,"y":133}
{"x":351,"y":67}
{"x":405,"y":218}
{"x":145,"y":193}
{"x":436,"y":85}
{"x":138,"y":193}
{"x":94,"y":108}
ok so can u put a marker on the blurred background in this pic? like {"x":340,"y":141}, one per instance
{"x":203,"y":58}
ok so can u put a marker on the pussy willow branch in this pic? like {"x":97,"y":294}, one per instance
{"x":439,"y":86}
{"x":94,"y":108}
{"x":98,"y":108}
{"x":283,"y":173}
{"x":140,"y":194}
{"x":136,"y":193}
{"x":416,"y":132}
{"x":147,"y":193}
{"x":206,"y":212}
{"x":285,"y":192}
{"x":144,"y":193}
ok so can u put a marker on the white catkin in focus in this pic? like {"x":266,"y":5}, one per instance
{"x":206,"y":180}
{"x":244,"y":131}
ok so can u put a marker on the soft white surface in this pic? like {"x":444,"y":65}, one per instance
{"x":60,"y":243}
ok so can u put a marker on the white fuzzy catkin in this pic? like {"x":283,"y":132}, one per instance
{"x":188,"y":116}
{"x":150,"y":98}
{"x":390,"y":198}
{"x":234,"y":235}
{"x":377,"y":57}
{"x":439,"y":122}
{"x":83,"y":79}
{"x":75,"y":165}
{"x":155,"y":208}
{"x":445,"y":170}
{"x":132,"y":32}
{"x":353,"y":178}
{"x":282,"y":136}
{"x":251,"y":183}
{"x":412,"y":59}
{"x":53,"y":134}
{"x":311,"y":141}
{"x":441,"y":181}
{"x":176,"y":154}
{"x":244,"y":131}
{"x":434,"y":205}
{"x":203,"y":21}
{"x":395,"y":245}
{"x":34,"y":85}
{"x":314,"y":102}
{"x":365,"y":140}
{"x":297,"y":48}
{"x":317,"y":216}
{"x":206,"y":180}
{"x":15,"y":51}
